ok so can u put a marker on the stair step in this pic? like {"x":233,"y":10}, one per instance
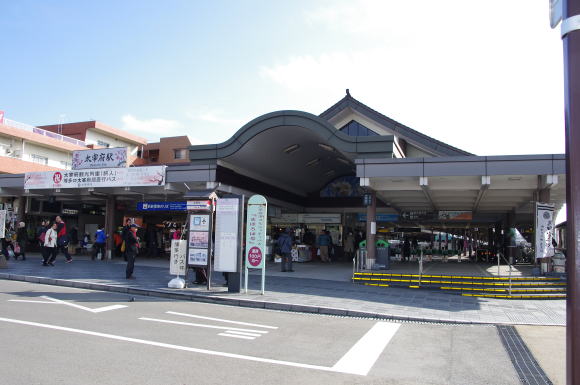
{"x":463,"y":282}
{"x":461,"y":277}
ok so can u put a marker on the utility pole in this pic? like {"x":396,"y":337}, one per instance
{"x":571,"y":40}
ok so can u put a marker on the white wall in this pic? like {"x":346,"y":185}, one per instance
{"x":93,"y":137}
{"x":56,"y":158}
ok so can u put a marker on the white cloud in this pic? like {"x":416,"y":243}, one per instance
{"x":153,"y":129}
{"x":214,"y":116}
{"x":443,"y":68}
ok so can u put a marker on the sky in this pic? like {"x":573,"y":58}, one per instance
{"x":484,"y":76}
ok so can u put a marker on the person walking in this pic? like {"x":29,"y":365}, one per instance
{"x":40,"y":237}
{"x":131,"y":250}
{"x":99,"y":246}
{"x":63,"y":240}
{"x":284,"y":242}
{"x":50,"y":245}
{"x":324,"y":242}
{"x":22,"y":239}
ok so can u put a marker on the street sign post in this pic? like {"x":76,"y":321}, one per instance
{"x":256,"y":237}
{"x":228,"y":239}
{"x":198,"y":236}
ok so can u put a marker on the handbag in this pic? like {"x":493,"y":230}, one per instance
{"x":17,"y":248}
{"x":123,"y":247}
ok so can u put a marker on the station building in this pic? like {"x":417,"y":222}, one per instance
{"x":315,"y":171}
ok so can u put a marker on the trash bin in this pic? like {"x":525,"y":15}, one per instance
{"x":383,"y":258}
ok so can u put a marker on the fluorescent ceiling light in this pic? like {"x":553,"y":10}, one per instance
{"x":291,"y":149}
{"x":313,"y":162}
{"x":326,"y":147}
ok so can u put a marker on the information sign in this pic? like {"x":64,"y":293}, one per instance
{"x":226,"y":235}
{"x":197,"y":257}
{"x":101,"y":158}
{"x":199,"y":222}
{"x":256,"y":236}
{"x":178,"y":257}
{"x":544,"y":230}
{"x":198,"y":239}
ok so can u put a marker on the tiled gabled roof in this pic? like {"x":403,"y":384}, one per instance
{"x":398,"y":129}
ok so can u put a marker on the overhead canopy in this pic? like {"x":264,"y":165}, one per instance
{"x":293,"y":150}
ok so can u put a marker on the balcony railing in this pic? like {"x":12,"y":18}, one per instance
{"x":40,"y":131}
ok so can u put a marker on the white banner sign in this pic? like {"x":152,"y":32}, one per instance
{"x":2,"y":223}
{"x":544,"y":230}
{"x":102,"y":177}
{"x":226,"y":235}
{"x":102,"y":158}
{"x":178,"y":257}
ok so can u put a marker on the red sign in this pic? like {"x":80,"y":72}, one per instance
{"x":57,"y":177}
{"x":255,"y":256}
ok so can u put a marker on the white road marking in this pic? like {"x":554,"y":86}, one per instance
{"x":222,"y":320}
{"x":363,"y":355}
{"x":244,"y":333}
{"x":170,"y":346}
{"x":236,"y":336}
{"x":97,"y":310}
{"x":201,"y":325}
{"x":31,"y":301}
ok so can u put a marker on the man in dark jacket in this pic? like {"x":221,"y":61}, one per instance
{"x":285,"y":244}
{"x":131,"y":250}
{"x":22,"y":239}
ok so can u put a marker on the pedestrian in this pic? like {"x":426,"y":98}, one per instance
{"x":124,"y":234}
{"x":349,"y":245}
{"x":22,"y":239}
{"x":284,"y":242}
{"x":324,"y":242}
{"x":131,"y":250}
{"x":100,"y":241}
{"x":406,"y":250}
{"x":63,"y":239}
{"x":50,"y":245}
{"x":118,"y":241}
{"x":40,"y":237}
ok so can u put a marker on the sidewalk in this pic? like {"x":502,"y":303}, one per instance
{"x":298,"y":292}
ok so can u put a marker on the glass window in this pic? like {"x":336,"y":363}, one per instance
{"x":39,"y":159}
{"x":179,"y":154}
{"x":354,"y":128}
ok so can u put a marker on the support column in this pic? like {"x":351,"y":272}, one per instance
{"x":572,"y":121}
{"x":371,"y":219}
{"x":110,"y":225}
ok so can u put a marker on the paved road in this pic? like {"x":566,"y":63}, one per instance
{"x":59,"y":335}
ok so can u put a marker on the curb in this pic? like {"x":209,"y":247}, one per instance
{"x":240,"y":302}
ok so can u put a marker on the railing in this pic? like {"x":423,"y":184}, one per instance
{"x":40,"y":131}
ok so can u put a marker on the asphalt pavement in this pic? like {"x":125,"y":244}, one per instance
{"x":63,"y":335}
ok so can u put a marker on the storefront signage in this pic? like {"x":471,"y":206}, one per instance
{"x":104,"y":177}
{"x":161,"y":206}
{"x":423,"y":215}
{"x":544,"y":230}
{"x":178,"y":257}
{"x":101,"y":158}
{"x":379,"y":217}
{"x":448,"y":215}
{"x":308,"y":218}
{"x":198,"y":205}
{"x":256,"y":236}
{"x":226,"y":234}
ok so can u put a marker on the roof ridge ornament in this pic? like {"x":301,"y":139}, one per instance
{"x":347,"y":92}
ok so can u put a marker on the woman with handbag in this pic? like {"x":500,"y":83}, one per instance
{"x":50,"y":245}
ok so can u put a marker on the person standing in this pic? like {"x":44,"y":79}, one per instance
{"x":131,"y":250}
{"x":349,"y":245}
{"x":50,"y":245}
{"x":100,"y":240}
{"x":22,"y":239}
{"x":285,"y":244}
{"x":124,"y":235}
{"x":62,"y":241}
{"x":324,"y":242}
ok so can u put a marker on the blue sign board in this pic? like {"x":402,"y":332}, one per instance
{"x":162,"y":206}
{"x":379,"y":217}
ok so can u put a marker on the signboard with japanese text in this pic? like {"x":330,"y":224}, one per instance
{"x":2,"y":223}
{"x":161,"y":206}
{"x":449,"y":215}
{"x":199,"y":222}
{"x":178,"y":261}
{"x":544,"y":230}
{"x":197,"y":257}
{"x":256,"y":232}
{"x":101,"y":158}
{"x":226,"y":234}
{"x":308,"y":219}
{"x":104,"y":177}
{"x":199,"y":205}
{"x":198,"y":239}
{"x":380,"y":217}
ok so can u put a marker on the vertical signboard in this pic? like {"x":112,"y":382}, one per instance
{"x":256,"y":236}
{"x":199,"y":241}
{"x":226,"y":235}
{"x":2,"y":223}
{"x":544,"y":230}
{"x":178,"y":259}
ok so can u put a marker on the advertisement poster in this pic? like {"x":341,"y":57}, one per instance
{"x":103,"y":177}
{"x":101,"y":158}
{"x":226,"y":235}
{"x":178,"y":255}
{"x":544,"y":230}
{"x":198,"y":239}
{"x":199,"y":222}
{"x":197,"y":257}
{"x":256,"y":232}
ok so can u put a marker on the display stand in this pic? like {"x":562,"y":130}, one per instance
{"x":199,"y":229}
